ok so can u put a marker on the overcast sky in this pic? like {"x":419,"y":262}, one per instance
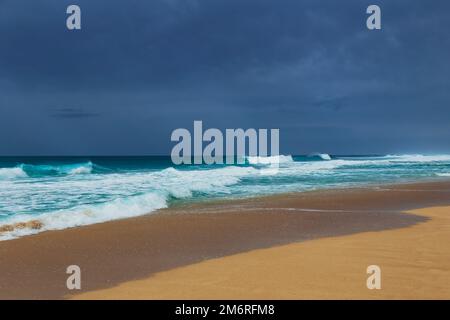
{"x":140,"y":69}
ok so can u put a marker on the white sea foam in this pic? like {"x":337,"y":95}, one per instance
{"x":331,"y":166}
{"x":12,"y":173}
{"x":270,"y":160}
{"x":70,"y":196}
{"x":324,"y":156}
{"x":182,"y":183}
{"x":88,"y":214}
{"x":126,"y":189}
{"x":38,"y":170}
{"x":418,"y":158}
{"x":443,"y":174}
{"x":83,"y":169}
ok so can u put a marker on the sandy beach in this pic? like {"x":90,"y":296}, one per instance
{"x":295,"y":246}
{"x":224,"y":150}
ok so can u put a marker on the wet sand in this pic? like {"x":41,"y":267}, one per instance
{"x":286,"y":246}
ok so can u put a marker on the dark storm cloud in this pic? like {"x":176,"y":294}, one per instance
{"x":139,"y":69}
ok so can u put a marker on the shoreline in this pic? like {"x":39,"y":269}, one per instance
{"x":35,"y":226}
{"x":120,"y":251}
{"x":371,"y":186}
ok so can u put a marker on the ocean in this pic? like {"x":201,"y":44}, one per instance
{"x":63,"y":192}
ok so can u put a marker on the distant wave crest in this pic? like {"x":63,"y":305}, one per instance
{"x":64,"y":169}
{"x":12,"y":173}
{"x":418,"y":157}
{"x":322,"y":156}
{"x":32,"y":170}
{"x":270,"y":160}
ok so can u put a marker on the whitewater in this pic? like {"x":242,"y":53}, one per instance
{"x":68,"y":192}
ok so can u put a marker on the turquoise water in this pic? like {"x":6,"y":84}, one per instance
{"x":65,"y":192}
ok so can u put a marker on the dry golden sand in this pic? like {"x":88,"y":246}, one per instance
{"x":414,"y":261}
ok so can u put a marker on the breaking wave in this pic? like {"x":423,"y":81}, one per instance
{"x":270,"y":160}
{"x":12,"y":173}
{"x":162,"y":186}
{"x":50,"y":196}
{"x":322,"y":156}
{"x":65,"y":169}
